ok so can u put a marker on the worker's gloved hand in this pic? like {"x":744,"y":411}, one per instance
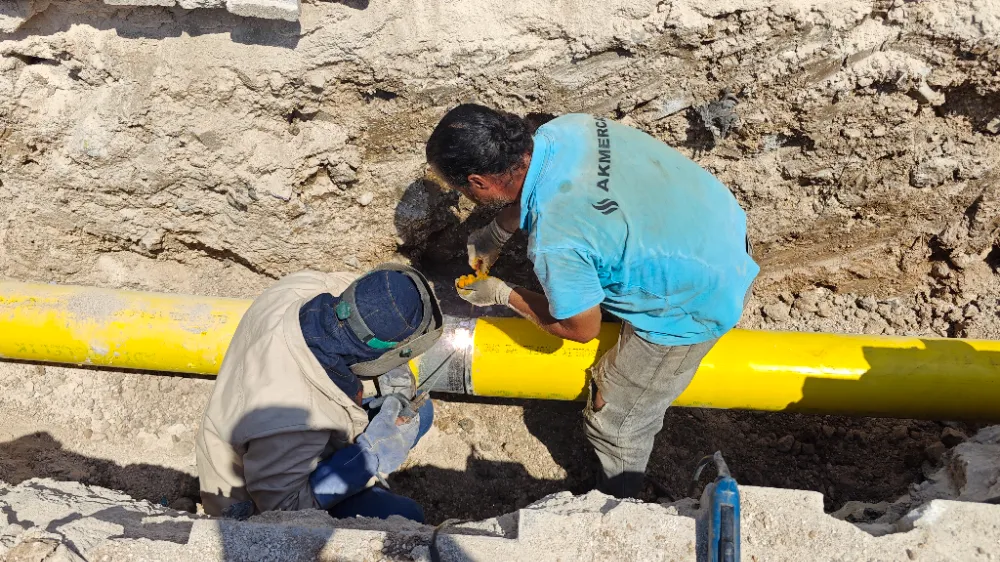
{"x":398,"y":381}
{"x":391,"y":434}
{"x":380,"y":450}
{"x":488,"y":292}
{"x":484,"y":246}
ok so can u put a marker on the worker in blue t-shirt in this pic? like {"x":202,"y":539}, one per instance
{"x":615,"y":220}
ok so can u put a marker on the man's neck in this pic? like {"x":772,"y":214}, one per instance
{"x":509,"y":218}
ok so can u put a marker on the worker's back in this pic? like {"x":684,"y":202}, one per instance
{"x":272,"y":392}
{"x":667,"y":238}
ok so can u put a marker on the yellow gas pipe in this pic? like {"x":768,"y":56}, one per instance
{"x":929,"y":378}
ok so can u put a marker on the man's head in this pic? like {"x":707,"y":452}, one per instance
{"x":389,"y":302}
{"x":381,"y":321}
{"x":482,"y":153}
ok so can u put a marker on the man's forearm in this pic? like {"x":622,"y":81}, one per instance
{"x":535,"y":307}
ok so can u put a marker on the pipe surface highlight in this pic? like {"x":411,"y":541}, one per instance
{"x":932,"y":378}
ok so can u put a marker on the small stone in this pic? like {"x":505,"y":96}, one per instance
{"x":777,"y":312}
{"x":352,"y":262}
{"x":971,"y":311}
{"x":316,"y":81}
{"x":366,"y":198}
{"x":940,"y":270}
{"x":852,"y":133}
{"x":933,"y":172}
{"x":806,"y":303}
{"x":993,"y":126}
{"x":900,"y":432}
{"x":785,"y":443}
{"x":927,"y":95}
{"x":951,"y":437}
{"x":808,"y":449}
{"x":879,"y":132}
{"x":829,"y":430}
{"x":466,"y":424}
{"x":954,"y":315}
{"x":445,"y":425}
{"x":152,"y":241}
{"x":935,"y":452}
{"x":824,"y":310}
{"x":867,"y":303}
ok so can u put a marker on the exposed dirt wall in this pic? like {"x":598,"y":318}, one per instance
{"x":201,"y":152}
{"x":136,"y":138}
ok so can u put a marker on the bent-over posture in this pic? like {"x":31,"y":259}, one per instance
{"x":616,"y":220}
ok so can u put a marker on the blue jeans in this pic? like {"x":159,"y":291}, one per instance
{"x":378,"y":502}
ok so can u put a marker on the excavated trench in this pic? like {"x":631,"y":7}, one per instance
{"x":200,"y":152}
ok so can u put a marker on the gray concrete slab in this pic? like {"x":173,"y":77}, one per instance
{"x":47,"y":520}
{"x":270,"y":9}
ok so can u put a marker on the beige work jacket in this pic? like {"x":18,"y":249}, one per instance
{"x":274,"y":412}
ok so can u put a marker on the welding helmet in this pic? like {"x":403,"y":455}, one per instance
{"x":395,"y":353}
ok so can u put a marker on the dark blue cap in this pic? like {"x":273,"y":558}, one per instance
{"x":389,"y":303}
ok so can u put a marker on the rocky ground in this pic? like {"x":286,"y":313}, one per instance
{"x":160,"y":149}
{"x":42,"y":520}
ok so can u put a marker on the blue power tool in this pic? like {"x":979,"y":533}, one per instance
{"x":722,"y":515}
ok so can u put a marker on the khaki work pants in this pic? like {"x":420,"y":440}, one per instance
{"x":638,"y":381}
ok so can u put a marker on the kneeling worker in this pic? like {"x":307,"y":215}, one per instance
{"x":285,"y":428}
{"x":616,"y":220}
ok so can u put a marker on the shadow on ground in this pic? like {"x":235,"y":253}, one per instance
{"x":844,"y":458}
{"x":40,"y":455}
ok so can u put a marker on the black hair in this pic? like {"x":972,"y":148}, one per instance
{"x":473,"y":139}
{"x":536,"y":120}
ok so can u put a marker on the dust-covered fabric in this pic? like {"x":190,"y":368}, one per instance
{"x":617,"y":218}
{"x":274,"y":412}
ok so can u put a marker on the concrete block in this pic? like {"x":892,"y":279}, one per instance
{"x":269,"y":9}
{"x":40,"y":516}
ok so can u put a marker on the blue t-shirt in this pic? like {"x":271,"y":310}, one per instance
{"x":617,"y":218}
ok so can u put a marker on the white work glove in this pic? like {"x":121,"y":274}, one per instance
{"x":488,"y":292}
{"x":398,"y":381}
{"x":484,"y":246}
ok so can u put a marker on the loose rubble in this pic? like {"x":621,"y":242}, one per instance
{"x":44,"y":520}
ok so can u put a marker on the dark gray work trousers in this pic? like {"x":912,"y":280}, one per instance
{"x":638,"y":381}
